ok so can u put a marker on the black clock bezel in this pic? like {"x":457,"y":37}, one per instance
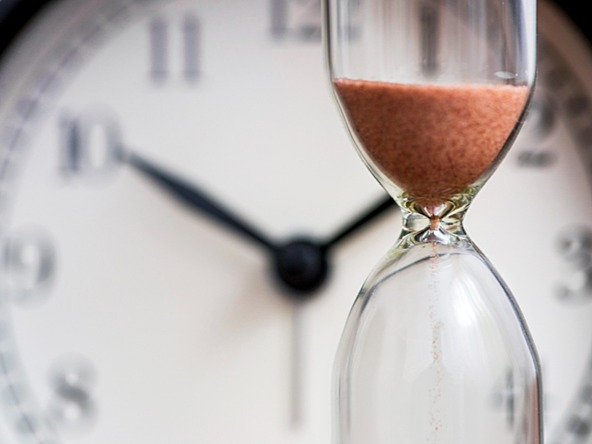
{"x":16,"y":14}
{"x":14,"y":17}
{"x":574,"y":9}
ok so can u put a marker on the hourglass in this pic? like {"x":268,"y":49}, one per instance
{"x":433,"y":93}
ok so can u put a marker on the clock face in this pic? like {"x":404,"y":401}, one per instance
{"x":128,"y":316}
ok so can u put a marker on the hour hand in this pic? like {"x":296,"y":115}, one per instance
{"x":196,"y":199}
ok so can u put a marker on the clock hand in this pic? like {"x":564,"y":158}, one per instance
{"x":299,"y":263}
{"x":196,"y":199}
{"x":360,"y":221}
{"x":297,"y":360}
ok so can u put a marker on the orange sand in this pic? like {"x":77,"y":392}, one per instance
{"x":431,"y":140}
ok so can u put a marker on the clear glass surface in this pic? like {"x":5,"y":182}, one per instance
{"x":433,"y":93}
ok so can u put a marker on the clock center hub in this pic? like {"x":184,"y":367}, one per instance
{"x":301,"y":264}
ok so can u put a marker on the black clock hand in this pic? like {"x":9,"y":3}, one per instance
{"x":193,"y":197}
{"x":360,"y":221}
{"x":299,"y":264}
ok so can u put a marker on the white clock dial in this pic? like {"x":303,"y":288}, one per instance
{"x":128,"y":317}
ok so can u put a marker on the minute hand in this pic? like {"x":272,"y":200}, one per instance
{"x":369,"y":215}
{"x":194,"y":198}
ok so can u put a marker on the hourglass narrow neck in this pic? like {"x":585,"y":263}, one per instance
{"x":441,"y":224}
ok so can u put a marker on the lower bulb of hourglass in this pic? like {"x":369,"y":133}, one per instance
{"x":435,"y":351}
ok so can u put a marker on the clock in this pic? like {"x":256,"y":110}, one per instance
{"x":185,"y":223}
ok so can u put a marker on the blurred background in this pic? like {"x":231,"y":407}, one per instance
{"x":185,"y":222}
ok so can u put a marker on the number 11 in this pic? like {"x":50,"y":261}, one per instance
{"x":161,"y":58}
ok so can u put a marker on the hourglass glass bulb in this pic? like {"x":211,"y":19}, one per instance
{"x":434,"y":333}
{"x":433,"y":336}
{"x":440,"y":139}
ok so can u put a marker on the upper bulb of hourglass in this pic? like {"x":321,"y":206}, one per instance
{"x":431,"y":115}
{"x":431,"y":145}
